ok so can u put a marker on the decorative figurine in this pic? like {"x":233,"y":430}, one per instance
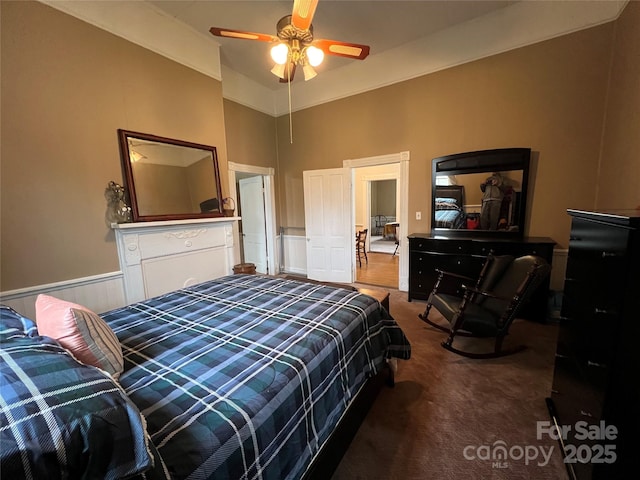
{"x":117,"y":209}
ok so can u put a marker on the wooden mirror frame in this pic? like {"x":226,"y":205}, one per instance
{"x":124,"y":137}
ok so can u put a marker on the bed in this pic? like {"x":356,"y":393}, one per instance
{"x":449,"y":207}
{"x":245,"y":376}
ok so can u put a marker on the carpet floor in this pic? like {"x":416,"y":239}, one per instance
{"x":448,"y":415}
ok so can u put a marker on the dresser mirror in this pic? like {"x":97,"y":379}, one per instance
{"x":481,"y":193}
{"x":168,"y":179}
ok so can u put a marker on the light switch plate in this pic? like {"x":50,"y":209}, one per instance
{"x":418,"y":215}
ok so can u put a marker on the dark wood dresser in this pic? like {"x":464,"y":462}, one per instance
{"x":465,"y":256}
{"x":597,"y":367}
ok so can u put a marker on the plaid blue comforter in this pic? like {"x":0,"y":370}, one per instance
{"x":245,"y":377}
{"x":60,"y":419}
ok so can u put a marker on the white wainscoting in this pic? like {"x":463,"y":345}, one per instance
{"x":99,"y":293}
{"x":294,"y":254}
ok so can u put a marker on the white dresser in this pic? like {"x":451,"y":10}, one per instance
{"x":158,"y":257}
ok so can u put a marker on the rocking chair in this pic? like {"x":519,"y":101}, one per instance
{"x":487,"y":306}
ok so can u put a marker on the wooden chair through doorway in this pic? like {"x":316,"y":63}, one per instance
{"x":361,"y":246}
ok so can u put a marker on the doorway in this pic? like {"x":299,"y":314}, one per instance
{"x":252,"y":189}
{"x":251,"y":209}
{"x":380,"y":205}
{"x":383,"y":222}
{"x":375,"y":188}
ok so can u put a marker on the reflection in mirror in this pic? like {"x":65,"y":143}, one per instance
{"x":488,"y":201}
{"x":480,"y":193}
{"x":170,"y":179}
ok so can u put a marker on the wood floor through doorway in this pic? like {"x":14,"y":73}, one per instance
{"x":382,"y":270}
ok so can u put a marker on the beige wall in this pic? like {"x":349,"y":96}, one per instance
{"x":619,"y":174}
{"x":549,"y":97}
{"x":385,"y":197}
{"x":251,"y":139}
{"x":67,"y":87}
{"x":251,"y":136}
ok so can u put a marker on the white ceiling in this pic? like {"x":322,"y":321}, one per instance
{"x":407,"y":38}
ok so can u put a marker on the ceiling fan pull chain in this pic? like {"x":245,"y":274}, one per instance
{"x":289,"y":91}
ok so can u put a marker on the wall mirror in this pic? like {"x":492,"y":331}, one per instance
{"x":168,"y":179}
{"x":480,"y":193}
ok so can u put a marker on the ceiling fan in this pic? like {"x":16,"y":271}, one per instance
{"x":294,"y":44}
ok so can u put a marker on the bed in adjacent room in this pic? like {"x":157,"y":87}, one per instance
{"x":245,"y":376}
{"x":449,"y":207}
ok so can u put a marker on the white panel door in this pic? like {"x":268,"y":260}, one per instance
{"x":327,"y":212}
{"x":254,"y":236}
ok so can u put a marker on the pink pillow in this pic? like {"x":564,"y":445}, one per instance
{"x":82,"y":332}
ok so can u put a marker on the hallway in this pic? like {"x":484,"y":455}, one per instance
{"x":382,"y":270}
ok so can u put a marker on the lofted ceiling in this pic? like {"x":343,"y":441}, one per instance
{"x":407,"y":38}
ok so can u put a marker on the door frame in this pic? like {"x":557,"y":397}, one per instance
{"x":367,"y":199}
{"x":268,"y":177}
{"x":403,"y":215}
{"x":254,"y":234}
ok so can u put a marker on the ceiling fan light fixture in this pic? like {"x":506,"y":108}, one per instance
{"x":280,"y":53}
{"x":308,"y":71}
{"x":314,"y":55}
{"x":278,"y":70}
{"x":294,"y":44}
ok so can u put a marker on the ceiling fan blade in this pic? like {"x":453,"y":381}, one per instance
{"x":342,"y":49}
{"x":292,"y":66}
{"x":229,"y":33}
{"x":303,"y":11}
